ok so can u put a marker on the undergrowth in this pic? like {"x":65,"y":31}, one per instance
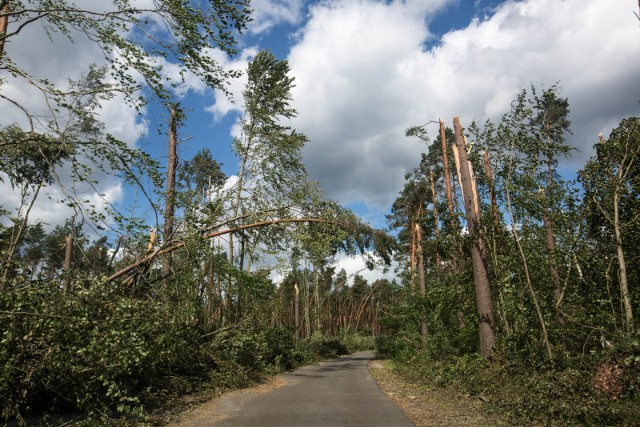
{"x":112,"y":357}
{"x":595,"y":390}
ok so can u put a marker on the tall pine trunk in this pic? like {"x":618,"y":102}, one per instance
{"x":484,"y":307}
{"x":4,"y":21}
{"x":421,"y":278}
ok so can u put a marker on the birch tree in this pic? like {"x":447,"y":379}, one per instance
{"x":612,"y":185}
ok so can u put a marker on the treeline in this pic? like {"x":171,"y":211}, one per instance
{"x":509,"y":259}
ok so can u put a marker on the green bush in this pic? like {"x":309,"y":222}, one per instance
{"x":357,"y":342}
{"x":91,"y":350}
{"x":284,"y":352}
{"x":327,"y":348}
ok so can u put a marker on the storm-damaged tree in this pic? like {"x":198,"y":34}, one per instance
{"x":611,"y":180}
{"x":70,"y":149}
{"x":271,"y":178}
{"x":270,"y":172}
{"x":62,"y":135}
{"x":484,"y":304}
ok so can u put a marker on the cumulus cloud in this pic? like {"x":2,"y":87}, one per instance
{"x":234,"y":103}
{"x":269,"y":13}
{"x":363,"y":76}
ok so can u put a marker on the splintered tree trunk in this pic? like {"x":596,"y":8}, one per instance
{"x":169,"y":210}
{"x":484,"y":306}
{"x":447,"y":176}
{"x":453,"y":223}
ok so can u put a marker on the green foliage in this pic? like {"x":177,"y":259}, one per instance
{"x":358,"y":342}
{"x":92,"y":350}
{"x":327,"y":348}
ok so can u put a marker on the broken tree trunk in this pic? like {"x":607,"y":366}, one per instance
{"x":484,"y":307}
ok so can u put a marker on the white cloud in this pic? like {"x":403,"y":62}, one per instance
{"x":223,"y":104}
{"x":353,"y":265}
{"x":269,"y":13}
{"x":363,"y":76}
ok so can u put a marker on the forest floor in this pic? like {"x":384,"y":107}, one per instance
{"x":422,"y":406}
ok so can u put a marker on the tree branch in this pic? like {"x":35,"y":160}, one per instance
{"x":179,"y":244}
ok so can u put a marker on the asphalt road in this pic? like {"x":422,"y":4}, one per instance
{"x":339,"y":392}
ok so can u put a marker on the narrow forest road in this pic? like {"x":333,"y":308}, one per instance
{"x":339,"y":392}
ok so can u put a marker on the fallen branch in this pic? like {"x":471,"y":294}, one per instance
{"x":170,"y":247}
{"x":217,"y":331}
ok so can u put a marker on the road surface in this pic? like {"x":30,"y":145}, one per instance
{"x":339,"y":392}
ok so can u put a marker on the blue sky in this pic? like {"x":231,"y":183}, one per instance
{"x":482,"y":51}
{"x":366,"y":70}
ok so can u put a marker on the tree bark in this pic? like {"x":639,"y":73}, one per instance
{"x":447,"y":176}
{"x":68,"y":255}
{"x":547,"y":225}
{"x":421,"y":278}
{"x":296,"y":308}
{"x":169,"y":210}
{"x":436,"y":223}
{"x":453,"y":222}
{"x":622,"y":265}
{"x":484,"y":306}
{"x":4,"y":21}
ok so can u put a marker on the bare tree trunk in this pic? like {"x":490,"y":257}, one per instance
{"x":453,"y":223}
{"x":436,"y":223}
{"x":4,"y":21}
{"x":447,"y":175}
{"x":169,"y":211}
{"x":484,"y":306}
{"x":421,"y":278}
{"x":296,"y":308}
{"x":17,"y":233}
{"x":516,"y":238}
{"x":413,"y":259}
{"x":68,"y":252}
{"x":316,"y":297}
{"x":622,"y":265}
{"x":547,"y":225}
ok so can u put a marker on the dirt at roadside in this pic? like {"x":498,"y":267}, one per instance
{"x":208,"y":413}
{"x":429,"y":407}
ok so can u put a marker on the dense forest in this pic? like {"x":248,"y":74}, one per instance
{"x":514,"y":282}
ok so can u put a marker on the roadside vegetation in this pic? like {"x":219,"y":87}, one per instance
{"x":518,"y":282}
